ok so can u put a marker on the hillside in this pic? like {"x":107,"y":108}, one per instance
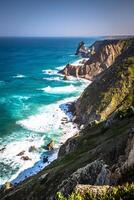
{"x":108,"y":91}
{"x":102,"y":152}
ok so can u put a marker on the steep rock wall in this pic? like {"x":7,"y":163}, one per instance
{"x":101,"y":55}
{"x":101,"y":98}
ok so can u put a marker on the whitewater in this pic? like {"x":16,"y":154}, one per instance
{"x":33,"y":103}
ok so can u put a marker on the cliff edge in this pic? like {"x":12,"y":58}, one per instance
{"x":101,"y":56}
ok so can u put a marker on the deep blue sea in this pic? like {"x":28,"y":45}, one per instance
{"x":31,"y":92}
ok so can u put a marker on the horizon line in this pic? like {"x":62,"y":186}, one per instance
{"x":83,"y":36}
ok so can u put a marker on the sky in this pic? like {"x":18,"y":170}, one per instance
{"x":66,"y":17}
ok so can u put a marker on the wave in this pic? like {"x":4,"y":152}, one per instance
{"x":59,"y":90}
{"x":46,"y":124}
{"x":9,"y":156}
{"x":60,"y":67}
{"x":61,"y":79}
{"x":21,"y":97}
{"x":79,"y":62}
{"x":72,"y":55}
{"x":49,"y":121}
{"x":48,"y":118}
{"x":53,"y":78}
{"x":19,"y":76}
{"x":13,"y":98}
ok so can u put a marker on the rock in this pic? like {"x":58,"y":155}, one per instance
{"x":89,"y":107}
{"x":25,"y":158}
{"x":50,"y":146}
{"x":64,"y":119}
{"x":82,"y":126}
{"x":43,"y":176}
{"x":21,"y":153}
{"x":2,"y":149}
{"x":68,"y":146}
{"x":86,"y":174}
{"x":82,"y":50}
{"x":32,"y":148}
{"x":94,"y":189}
{"x":45,"y":159}
{"x":8,"y":186}
{"x":65,"y":78}
{"x":101,"y":54}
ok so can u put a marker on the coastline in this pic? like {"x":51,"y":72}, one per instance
{"x":62,"y":106}
{"x":52,"y":155}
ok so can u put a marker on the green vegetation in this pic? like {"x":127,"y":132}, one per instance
{"x":73,"y":196}
{"x":114,"y":90}
{"x":125,"y":192}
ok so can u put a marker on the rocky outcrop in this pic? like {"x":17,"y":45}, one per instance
{"x":112,"y":90}
{"x":99,"y":156}
{"x":108,"y":169}
{"x":50,"y":146}
{"x":82,"y":50}
{"x":101,"y":55}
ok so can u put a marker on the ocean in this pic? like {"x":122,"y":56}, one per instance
{"x":32,"y":101}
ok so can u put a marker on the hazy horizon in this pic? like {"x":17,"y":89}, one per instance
{"x":31,"y":18}
{"x":60,"y":36}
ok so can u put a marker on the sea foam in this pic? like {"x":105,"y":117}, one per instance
{"x":58,"y":90}
{"x":19,"y":76}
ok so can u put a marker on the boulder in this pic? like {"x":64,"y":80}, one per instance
{"x":21,"y":153}
{"x":50,"y":146}
{"x":45,"y":159}
{"x":2,"y":149}
{"x":8,"y":186}
{"x":32,"y":148}
{"x":25,"y":158}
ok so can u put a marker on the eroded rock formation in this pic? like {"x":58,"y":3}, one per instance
{"x":101,"y":55}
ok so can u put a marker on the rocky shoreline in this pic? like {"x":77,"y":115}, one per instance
{"x":51,"y":148}
{"x":102,"y":151}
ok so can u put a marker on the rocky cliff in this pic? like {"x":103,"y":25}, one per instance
{"x":82,"y":50}
{"x":102,"y":153}
{"x":101,"y":56}
{"x":107,"y":93}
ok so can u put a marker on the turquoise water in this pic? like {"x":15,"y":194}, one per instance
{"x":31,"y":91}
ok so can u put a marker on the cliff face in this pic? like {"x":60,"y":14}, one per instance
{"x":101,"y":55}
{"x":108,"y":91}
{"x":102,"y":153}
